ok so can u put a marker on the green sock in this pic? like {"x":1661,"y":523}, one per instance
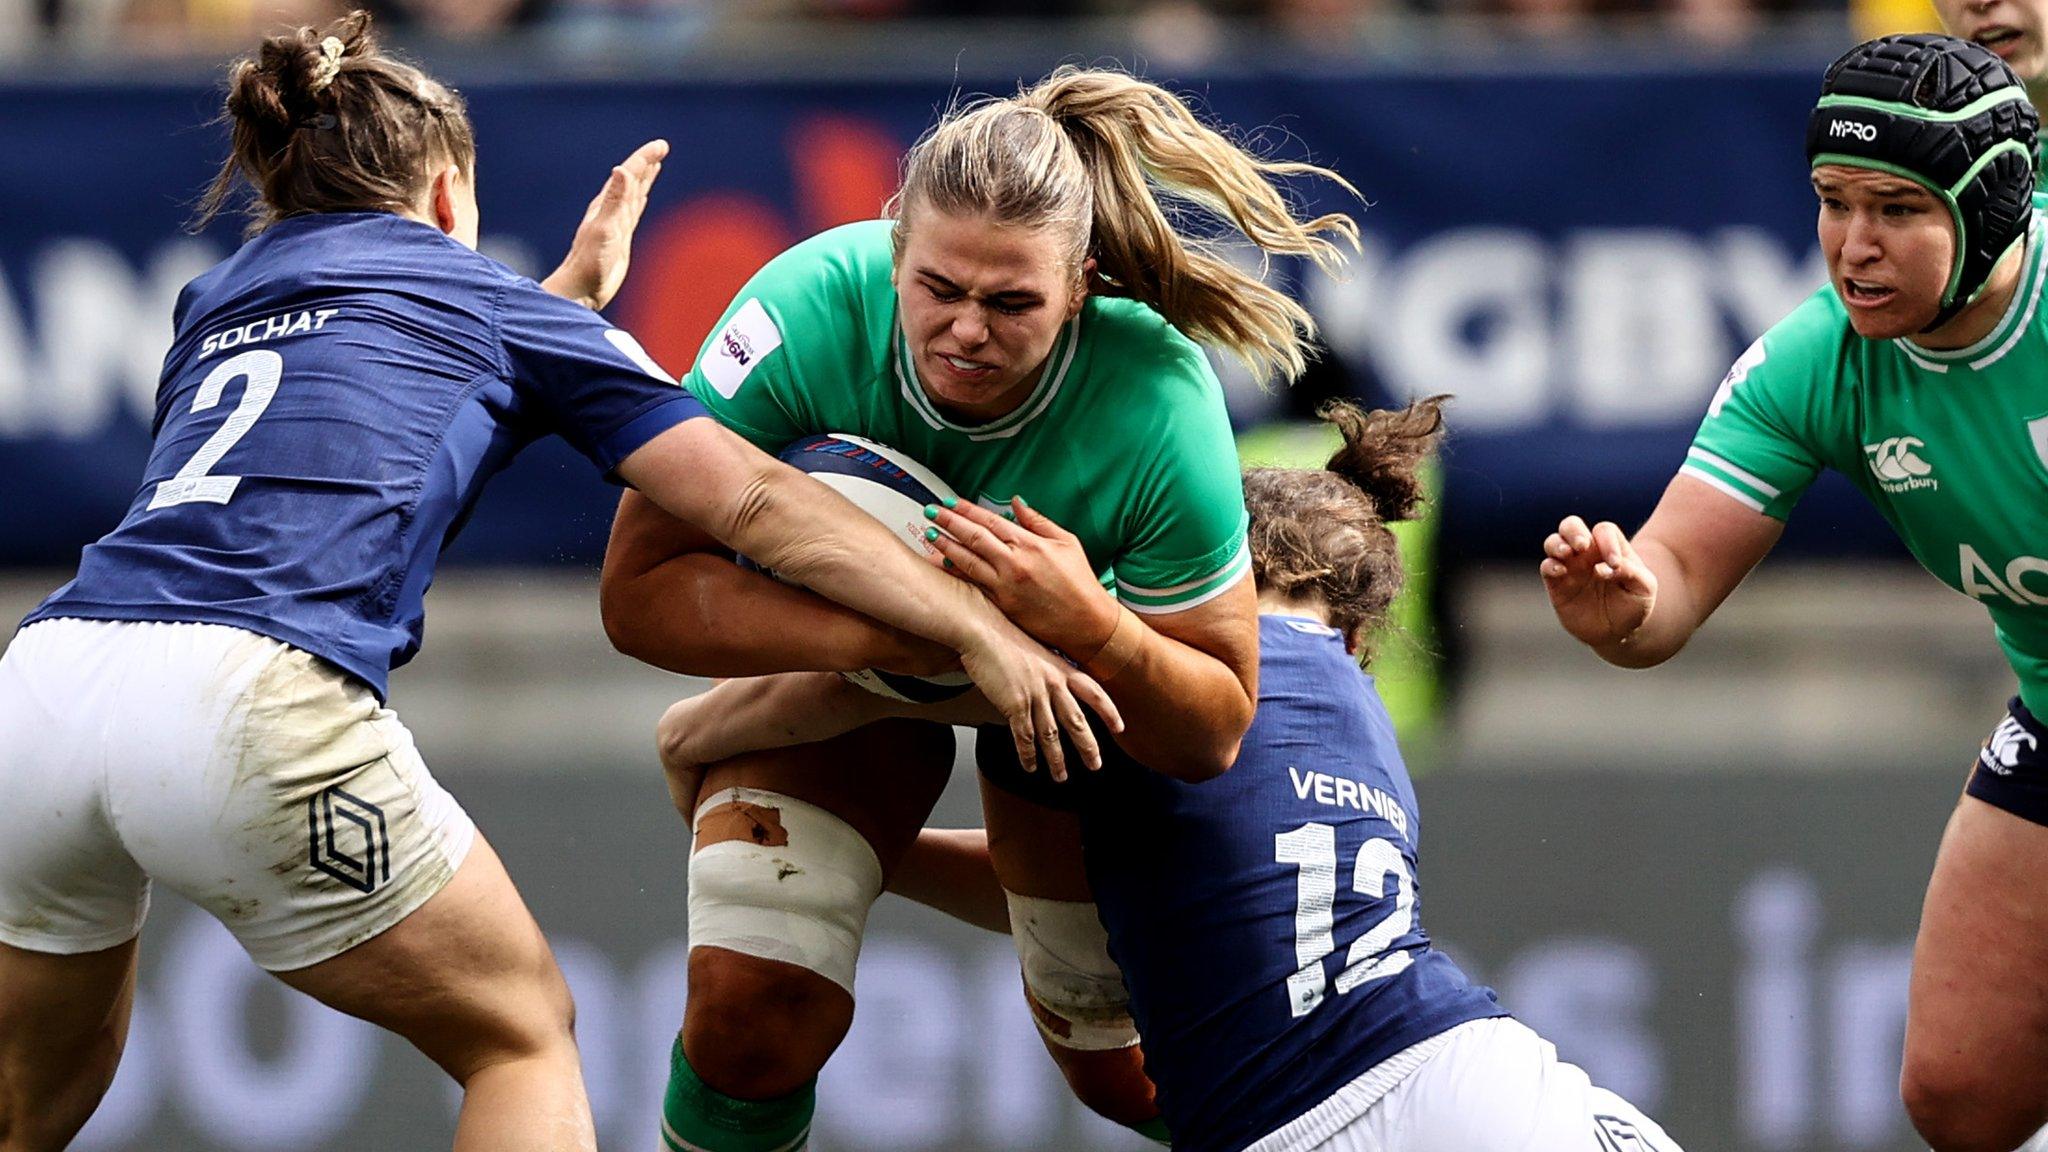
{"x":696,"y":1117}
{"x":1155,"y":1131}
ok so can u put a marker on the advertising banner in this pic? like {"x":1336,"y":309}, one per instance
{"x":1577,"y":258}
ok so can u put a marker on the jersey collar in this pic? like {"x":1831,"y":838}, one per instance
{"x":2006,"y":333}
{"x":1057,"y":364}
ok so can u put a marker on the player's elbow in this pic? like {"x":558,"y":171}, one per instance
{"x":1208,"y":756}
{"x":624,"y":612}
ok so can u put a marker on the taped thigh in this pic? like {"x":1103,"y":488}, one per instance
{"x":1076,"y":990}
{"x":782,"y":879}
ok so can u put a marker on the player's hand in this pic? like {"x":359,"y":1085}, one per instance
{"x":1599,"y":588}
{"x":1033,"y":569}
{"x":1039,"y":694}
{"x":596,"y":265}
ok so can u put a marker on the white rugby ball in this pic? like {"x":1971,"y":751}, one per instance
{"x":894,"y":489}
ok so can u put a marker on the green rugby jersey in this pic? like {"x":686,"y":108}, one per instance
{"x":1951,"y":446}
{"x":1124,"y":441}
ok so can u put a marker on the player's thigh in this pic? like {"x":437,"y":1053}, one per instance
{"x":466,"y":976}
{"x":881,"y":780}
{"x":63,"y":1022}
{"x":67,"y":883}
{"x":1977,"y":1024}
{"x":1036,"y":850}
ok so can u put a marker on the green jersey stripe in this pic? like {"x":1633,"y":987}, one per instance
{"x":1727,"y":489}
{"x":1182,"y":597}
{"x":1755,"y":483}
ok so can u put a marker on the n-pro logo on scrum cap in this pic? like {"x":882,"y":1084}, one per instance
{"x":1840,"y":129}
{"x":1896,"y":463}
{"x":738,"y":348}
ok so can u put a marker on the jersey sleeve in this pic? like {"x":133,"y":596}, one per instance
{"x":1186,"y":523}
{"x":1758,"y":443}
{"x":794,"y":333}
{"x":600,"y":390}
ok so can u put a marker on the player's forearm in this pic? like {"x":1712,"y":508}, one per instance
{"x":758,"y":506}
{"x":702,"y":615}
{"x":1673,"y":618}
{"x":949,"y":869}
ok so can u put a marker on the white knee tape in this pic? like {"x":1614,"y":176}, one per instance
{"x":798,"y":890}
{"x":1077,"y":992}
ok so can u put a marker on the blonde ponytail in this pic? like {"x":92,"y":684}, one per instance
{"x":1099,"y":151}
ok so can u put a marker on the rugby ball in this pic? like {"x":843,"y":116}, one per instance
{"x":894,"y":489}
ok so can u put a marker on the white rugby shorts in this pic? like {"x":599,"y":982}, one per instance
{"x":1485,"y":1086}
{"x":256,"y":780}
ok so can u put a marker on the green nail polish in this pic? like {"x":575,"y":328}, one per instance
{"x":951,"y":501}
{"x":931,"y":533}
{"x":931,"y":511}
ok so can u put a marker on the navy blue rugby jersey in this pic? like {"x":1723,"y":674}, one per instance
{"x":1268,"y":921}
{"x":336,"y":394}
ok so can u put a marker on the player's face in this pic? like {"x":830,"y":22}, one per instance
{"x":1888,"y":244}
{"x":2011,"y":28}
{"x":982,"y":305}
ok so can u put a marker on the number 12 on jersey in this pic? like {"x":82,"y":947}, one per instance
{"x":1313,"y":849}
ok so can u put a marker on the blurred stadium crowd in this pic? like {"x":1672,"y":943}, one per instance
{"x":1173,"y":32}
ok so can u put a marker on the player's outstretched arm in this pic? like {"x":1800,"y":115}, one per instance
{"x":672,"y":597}
{"x":595,"y":268}
{"x":1636,"y":601}
{"x":752,"y":503}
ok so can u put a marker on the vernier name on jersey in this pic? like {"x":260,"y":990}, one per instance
{"x":268,"y":328}
{"x":1339,"y":792}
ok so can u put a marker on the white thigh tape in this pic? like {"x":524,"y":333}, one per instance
{"x":1077,"y":992}
{"x":798,"y":891}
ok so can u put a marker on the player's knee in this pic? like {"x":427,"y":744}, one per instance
{"x":1075,"y":988}
{"x":1958,"y":1108}
{"x":1077,"y":996}
{"x":756,"y":1029}
{"x":528,"y":1014}
{"x":779,"y":896}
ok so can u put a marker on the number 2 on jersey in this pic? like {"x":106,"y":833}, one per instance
{"x":1313,"y":848}
{"x":194,"y":483}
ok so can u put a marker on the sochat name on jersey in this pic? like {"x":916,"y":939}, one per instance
{"x":267,"y":328}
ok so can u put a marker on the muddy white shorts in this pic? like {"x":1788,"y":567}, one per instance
{"x":1487,"y":1086}
{"x":256,"y":780}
